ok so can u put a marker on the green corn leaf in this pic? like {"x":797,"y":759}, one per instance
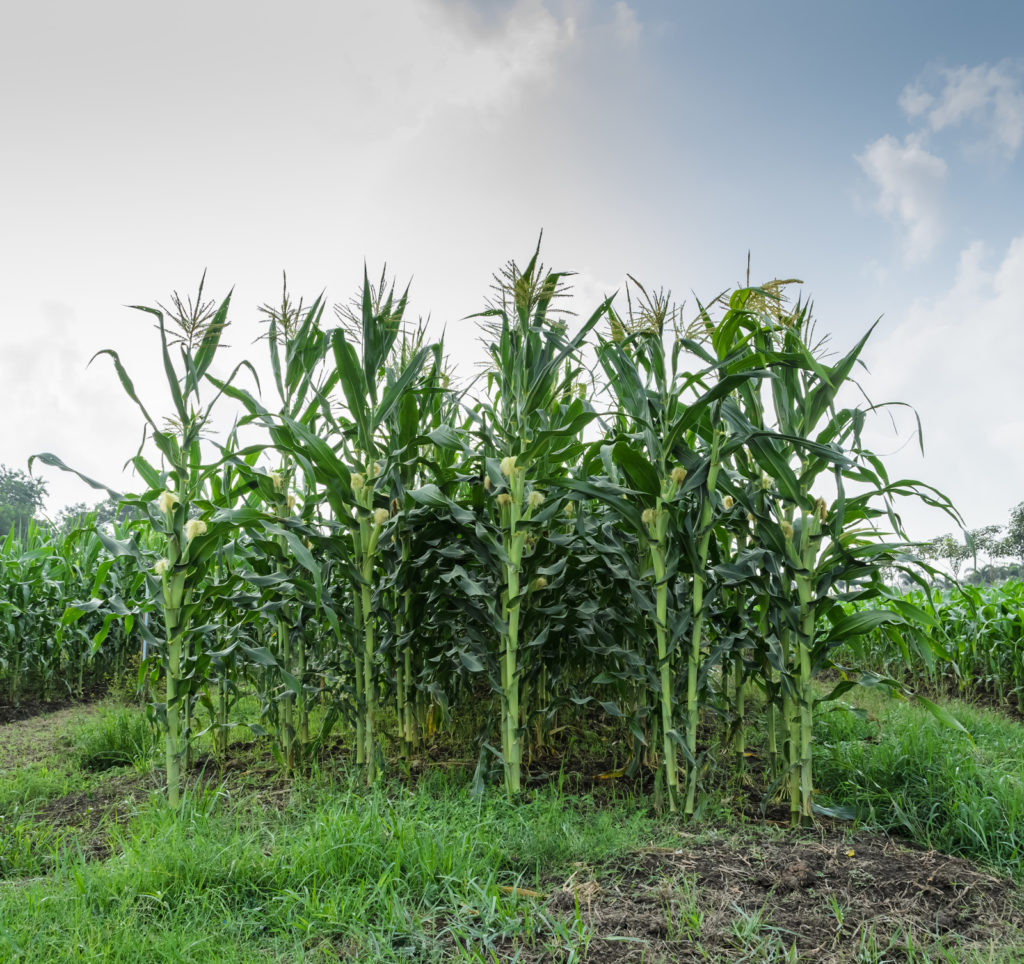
{"x":943,"y":715}
{"x":394,"y":392}
{"x":641,"y":474}
{"x":211,"y":340}
{"x":354,"y":385}
{"x":446,"y":437}
{"x":471,"y":662}
{"x":125,"y":380}
{"x":47,"y":458}
{"x":858,"y":623}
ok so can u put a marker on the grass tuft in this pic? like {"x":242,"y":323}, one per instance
{"x":118,"y":737}
{"x":958,"y":793}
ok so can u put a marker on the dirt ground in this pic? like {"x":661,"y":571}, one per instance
{"x":828,"y":897}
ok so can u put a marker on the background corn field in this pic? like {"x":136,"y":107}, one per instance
{"x":974,"y":647}
{"x":48,"y":652}
{"x":669,"y":523}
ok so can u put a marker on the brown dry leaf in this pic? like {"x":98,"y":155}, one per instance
{"x":519,"y":891}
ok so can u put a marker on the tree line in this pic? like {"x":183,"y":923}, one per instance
{"x":21,"y":504}
{"x":1002,"y":545}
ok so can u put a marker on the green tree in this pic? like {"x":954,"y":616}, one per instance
{"x":949,"y":548}
{"x":79,"y":514}
{"x":21,"y":495}
{"x":1013,"y":542}
{"x":986,"y":539}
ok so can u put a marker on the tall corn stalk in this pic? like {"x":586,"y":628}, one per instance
{"x":668,"y":390}
{"x":819,"y":556}
{"x":185,"y":541}
{"x":529,"y":428}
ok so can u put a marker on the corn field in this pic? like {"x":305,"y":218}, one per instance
{"x":49,"y":651}
{"x":659,"y":521}
{"x":974,"y":645}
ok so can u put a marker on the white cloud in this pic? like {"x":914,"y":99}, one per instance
{"x":445,"y":58}
{"x":366,"y":71}
{"x":956,"y":359}
{"x":909,"y":180}
{"x":914,"y":101}
{"x":987,"y":98}
{"x":627,"y":25}
{"x":909,"y":174}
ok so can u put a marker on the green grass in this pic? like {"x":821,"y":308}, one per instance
{"x":340,"y":868}
{"x":329,"y":870}
{"x":37,"y":783}
{"x":323,"y":869}
{"x":118,"y":737}
{"x":903,"y":771}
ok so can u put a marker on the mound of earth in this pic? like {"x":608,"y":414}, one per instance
{"x":828,"y":900}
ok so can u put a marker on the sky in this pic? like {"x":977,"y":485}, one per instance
{"x":873,"y":150}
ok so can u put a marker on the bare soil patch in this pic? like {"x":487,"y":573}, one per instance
{"x":27,"y":708}
{"x":828,"y":898}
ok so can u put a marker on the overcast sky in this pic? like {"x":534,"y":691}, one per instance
{"x":872,"y":149}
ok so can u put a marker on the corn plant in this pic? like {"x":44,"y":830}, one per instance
{"x":529,"y":429}
{"x":296,"y":346}
{"x":421,"y":445}
{"x":186,"y":541}
{"x":347,"y":474}
{"x":974,"y":647}
{"x":819,"y":554}
{"x":670,"y":441}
